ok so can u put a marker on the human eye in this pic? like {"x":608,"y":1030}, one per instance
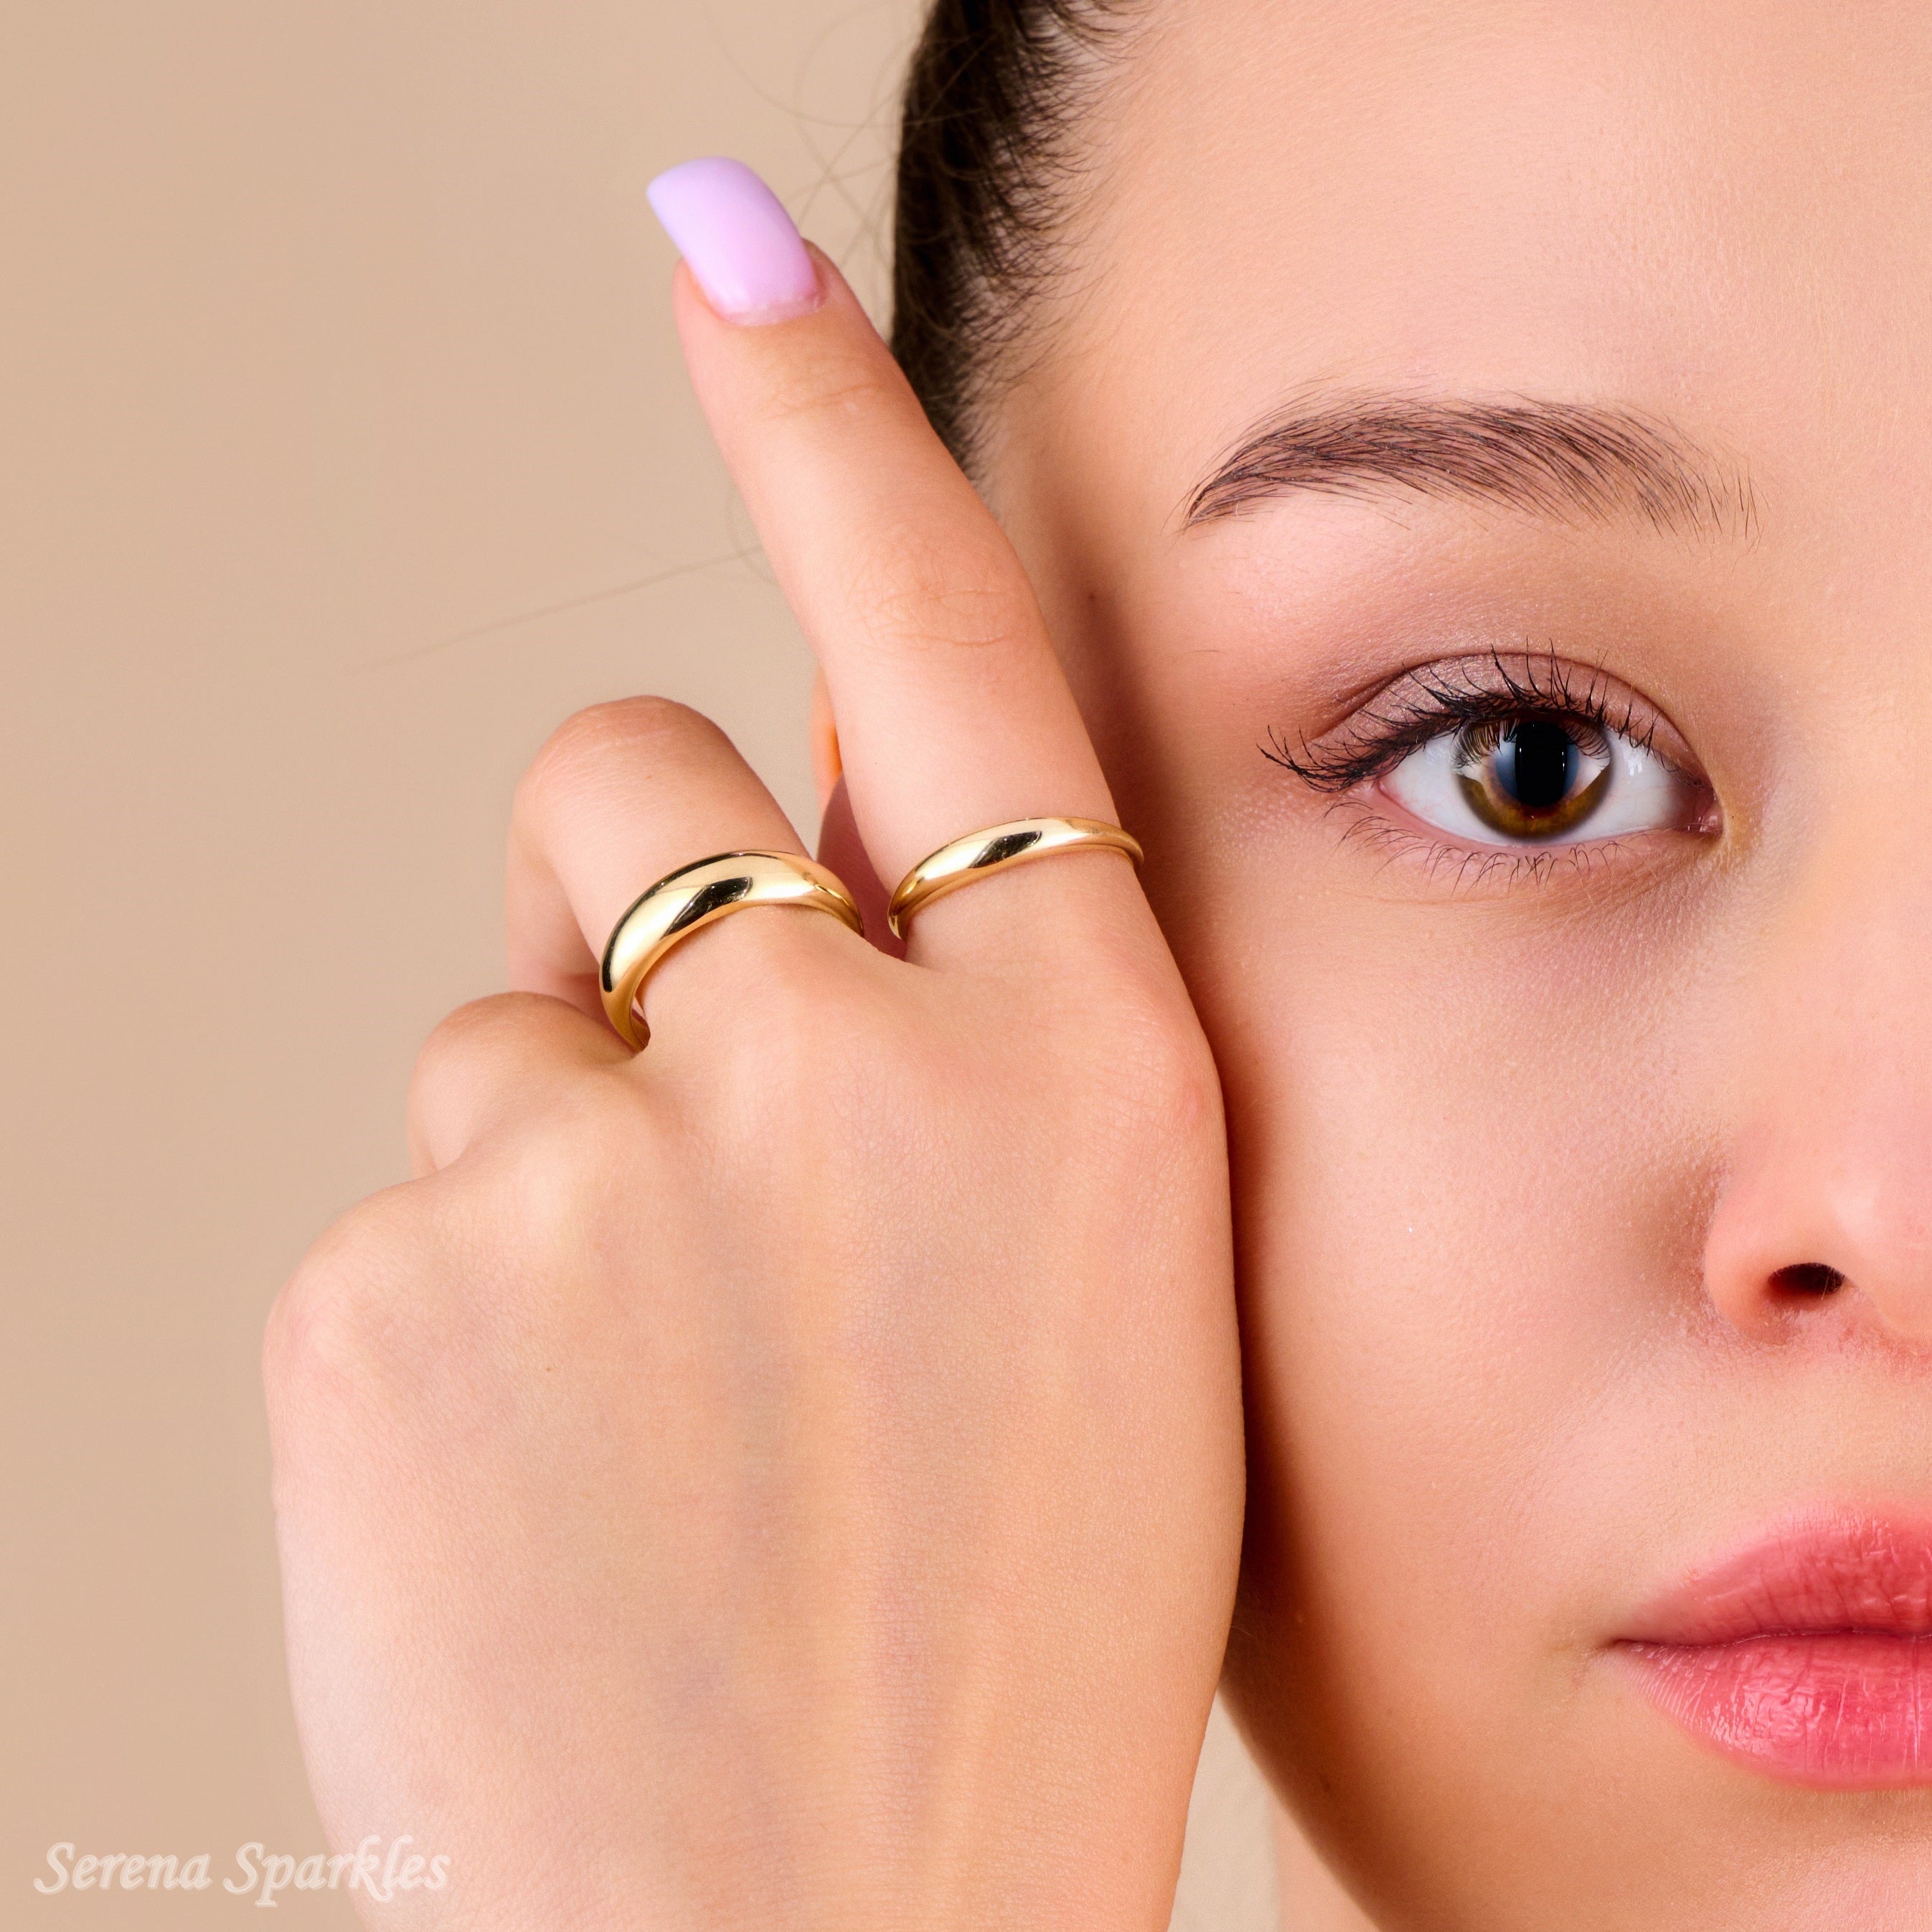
{"x":1536,"y":779}
{"x":1494,"y":756}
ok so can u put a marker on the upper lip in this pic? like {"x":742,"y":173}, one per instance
{"x":1848,"y":1574}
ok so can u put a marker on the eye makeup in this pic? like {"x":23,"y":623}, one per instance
{"x":1478,"y":760}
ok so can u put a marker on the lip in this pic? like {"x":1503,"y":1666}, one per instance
{"x":1806,"y":1655}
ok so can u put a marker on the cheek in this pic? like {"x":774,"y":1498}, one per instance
{"x":1466,"y":1187}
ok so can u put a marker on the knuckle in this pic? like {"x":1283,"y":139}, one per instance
{"x":411,"y":1295}
{"x":944,"y":591}
{"x":831,"y":386}
{"x":578,"y":755}
{"x":569,"y":1160}
{"x":822,"y":398}
{"x":1147,"y":1064}
{"x":456,"y":1041}
{"x":337,"y":1318}
{"x":578,"y":1200}
{"x":1183,"y":1088}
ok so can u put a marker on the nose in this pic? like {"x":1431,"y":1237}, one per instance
{"x":1831,"y":1211}
{"x":1824,"y":1217}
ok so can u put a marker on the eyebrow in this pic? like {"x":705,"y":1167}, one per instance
{"x":1569,"y":462}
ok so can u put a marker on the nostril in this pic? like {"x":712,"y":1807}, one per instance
{"x":1811,"y":1278}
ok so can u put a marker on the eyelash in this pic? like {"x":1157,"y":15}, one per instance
{"x":1429,"y":702}
{"x":1423,"y":704}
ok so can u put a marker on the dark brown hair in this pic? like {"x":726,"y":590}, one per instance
{"x":988,"y":166}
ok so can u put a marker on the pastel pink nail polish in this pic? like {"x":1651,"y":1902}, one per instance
{"x":737,"y":239}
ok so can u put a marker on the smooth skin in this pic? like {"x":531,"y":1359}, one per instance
{"x":791,"y":1477}
{"x":625,"y":1532}
{"x":1517,"y":1154}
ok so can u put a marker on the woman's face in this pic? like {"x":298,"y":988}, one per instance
{"x":1571,"y":995}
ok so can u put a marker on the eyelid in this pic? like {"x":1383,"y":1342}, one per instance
{"x":1424,"y":700}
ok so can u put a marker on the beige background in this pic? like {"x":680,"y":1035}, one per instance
{"x":346,"y":451}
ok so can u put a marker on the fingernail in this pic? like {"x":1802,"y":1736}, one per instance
{"x":740,"y":242}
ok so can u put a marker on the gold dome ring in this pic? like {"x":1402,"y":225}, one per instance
{"x":695,"y":896}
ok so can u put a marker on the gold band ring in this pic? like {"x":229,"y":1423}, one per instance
{"x":693,"y":896}
{"x":993,"y":851}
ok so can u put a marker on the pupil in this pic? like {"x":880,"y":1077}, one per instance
{"x":1536,"y":763}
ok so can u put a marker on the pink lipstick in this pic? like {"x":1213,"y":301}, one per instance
{"x":1806,"y":1655}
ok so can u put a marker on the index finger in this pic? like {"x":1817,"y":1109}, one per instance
{"x":953,"y":714}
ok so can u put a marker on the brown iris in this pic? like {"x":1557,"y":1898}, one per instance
{"x":1533,"y":778}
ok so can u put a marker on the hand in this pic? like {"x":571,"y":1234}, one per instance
{"x":791,"y":1477}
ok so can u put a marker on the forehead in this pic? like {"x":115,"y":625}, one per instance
{"x":1715,"y":210}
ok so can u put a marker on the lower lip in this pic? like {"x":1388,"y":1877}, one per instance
{"x":1846,"y":1711}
